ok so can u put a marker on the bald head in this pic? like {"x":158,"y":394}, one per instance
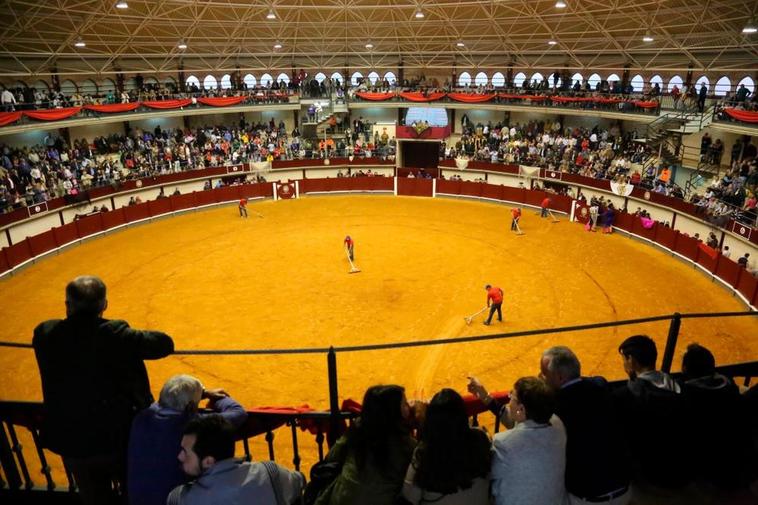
{"x":85,"y":296}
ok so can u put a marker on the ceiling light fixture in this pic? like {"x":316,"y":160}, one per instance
{"x":552,"y":42}
{"x":419,"y":13}
{"x":278,"y":45}
{"x":182,"y":45}
{"x":647,"y":37}
{"x":79,"y":43}
{"x":750,"y":27}
{"x":121,"y":4}
{"x":460,"y":44}
{"x":271,"y":14}
{"x":369,"y":45}
{"x":560,"y":4}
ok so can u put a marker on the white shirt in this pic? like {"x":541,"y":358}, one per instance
{"x":7,"y":97}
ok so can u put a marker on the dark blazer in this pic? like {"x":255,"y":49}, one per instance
{"x":594,"y":462}
{"x":93,"y":381}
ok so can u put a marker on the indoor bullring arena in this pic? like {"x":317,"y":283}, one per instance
{"x":379,"y":252}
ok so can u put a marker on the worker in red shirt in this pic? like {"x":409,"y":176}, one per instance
{"x":350,"y":247}
{"x":545,"y":206}
{"x":494,"y":302}
{"x":243,"y":207}
{"x":516,"y":213}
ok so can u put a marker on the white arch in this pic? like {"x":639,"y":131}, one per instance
{"x":87,"y":87}
{"x":498,"y":79}
{"x":464,"y":79}
{"x":210,"y":82}
{"x":373,"y":77}
{"x":638,"y":83}
{"x":337,"y":75}
{"x":518,"y":79}
{"x":354,"y":78}
{"x":320,"y":77}
{"x":43,"y":86}
{"x":226,"y":82}
{"x":266,"y":79}
{"x":722,"y":87}
{"x":594,"y":79}
{"x":192,"y":80}
{"x":68,"y":87}
{"x":613,"y":78}
{"x":577,"y":77}
{"x":249,"y":81}
{"x":536,"y":77}
{"x":656,"y":79}
{"x":390,"y":77}
{"x":675,"y":81}
{"x":283,"y":77}
{"x":106,"y":85}
{"x":702,"y":80}
{"x":481,"y":79}
{"x":748,"y":82}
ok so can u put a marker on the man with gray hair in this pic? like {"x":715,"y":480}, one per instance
{"x":156,"y":436}
{"x":94,"y":381}
{"x":595,"y":468}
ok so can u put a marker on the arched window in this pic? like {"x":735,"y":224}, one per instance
{"x":638,"y":83}
{"x":68,"y":87}
{"x":656,"y":79}
{"x":320,"y":77}
{"x":577,"y":77}
{"x":723,"y":86}
{"x":373,"y":77}
{"x":355,"y":78}
{"x":336,"y":76}
{"x":249,"y":81}
{"x":390,"y":77}
{"x":675,"y":81}
{"x":498,"y":79}
{"x":169,"y":81}
{"x":594,"y":80}
{"x":613,"y":78}
{"x":210,"y":82}
{"x":226,"y":82}
{"x":150,"y":81}
{"x":464,"y":79}
{"x":42,"y":86}
{"x":283,"y":77}
{"x":702,"y":80}
{"x":749,"y":84}
{"x":192,"y":80}
{"x":481,"y":79}
{"x":518,"y":80}
{"x":88,"y":87}
{"x":537,"y":78}
{"x":266,"y":80}
{"x":107,"y":86}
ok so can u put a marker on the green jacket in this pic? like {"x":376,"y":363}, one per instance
{"x":368,"y":486}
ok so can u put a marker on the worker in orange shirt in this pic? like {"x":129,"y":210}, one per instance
{"x":243,"y":207}
{"x":516,"y":213}
{"x":350,"y":247}
{"x":494,"y":302}
{"x":665,"y":175}
{"x":545,"y":206}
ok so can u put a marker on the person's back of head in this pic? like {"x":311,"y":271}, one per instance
{"x":698,"y":362}
{"x":85,"y":296}
{"x":181,"y":393}
{"x":639,"y":353}
{"x":382,"y":419}
{"x":559,"y":365}
{"x":450,"y":455}
{"x":206,"y":441}
{"x":536,"y":397}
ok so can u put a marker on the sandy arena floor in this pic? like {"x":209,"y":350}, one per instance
{"x":215,"y":281}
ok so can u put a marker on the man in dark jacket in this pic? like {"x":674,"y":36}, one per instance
{"x":93,"y":381}
{"x":595,"y":469}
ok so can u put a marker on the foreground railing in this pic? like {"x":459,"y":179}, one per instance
{"x":16,"y":477}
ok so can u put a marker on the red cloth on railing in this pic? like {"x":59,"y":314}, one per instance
{"x":113,"y":107}
{"x":709,"y":251}
{"x":168,"y":104}
{"x":415,"y":96}
{"x":471,"y":98}
{"x":645,"y":105}
{"x":52,"y":114}
{"x":222,"y":101}
{"x":7,"y":118}
{"x":742,"y":115}
{"x":433,"y":132}
{"x":375,"y":97}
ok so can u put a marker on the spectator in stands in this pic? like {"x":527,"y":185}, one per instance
{"x":744,"y":261}
{"x":7,"y":101}
{"x":718,"y":452}
{"x":595,"y":468}
{"x":702,"y":95}
{"x":100,"y":362}
{"x":530,"y":460}
{"x":451,"y":464}
{"x":207,"y":454}
{"x":375,"y":452}
{"x":649,"y":410}
{"x":156,"y":435}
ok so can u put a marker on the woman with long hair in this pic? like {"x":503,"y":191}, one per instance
{"x":374,"y":453}
{"x":451,"y":464}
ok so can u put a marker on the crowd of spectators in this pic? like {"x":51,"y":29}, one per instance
{"x":569,"y":438}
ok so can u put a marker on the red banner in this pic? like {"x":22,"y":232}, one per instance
{"x":52,"y":114}
{"x":168,"y":104}
{"x":743,"y":115}
{"x":432,"y":132}
{"x":222,"y":101}
{"x":111,"y":108}
{"x":414,"y":96}
{"x":7,"y":118}
{"x":708,"y":251}
{"x":470,"y":98}
{"x":645,"y":105}
{"x":375,"y":97}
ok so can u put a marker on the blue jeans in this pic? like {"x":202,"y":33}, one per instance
{"x":495,"y":307}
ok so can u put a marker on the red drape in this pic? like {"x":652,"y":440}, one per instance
{"x":168,"y":104}
{"x":709,"y":251}
{"x":743,"y":115}
{"x":375,"y":97}
{"x":414,"y":96}
{"x":7,"y":118}
{"x":645,"y":105}
{"x":52,"y":114}
{"x":470,"y":98}
{"x":222,"y":101}
{"x":113,"y":107}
